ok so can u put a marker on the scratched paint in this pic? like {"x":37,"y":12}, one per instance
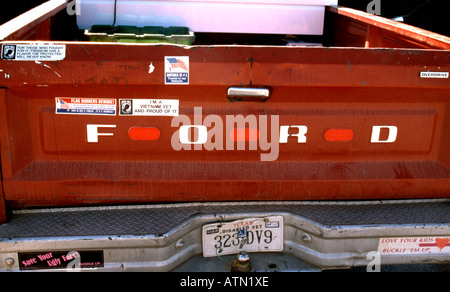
{"x":151,"y":68}
{"x":48,"y":67}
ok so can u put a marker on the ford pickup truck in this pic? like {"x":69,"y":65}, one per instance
{"x":322,"y":143}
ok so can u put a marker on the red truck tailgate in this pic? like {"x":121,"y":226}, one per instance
{"x":340,"y":123}
{"x":171,"y":156}
{"x":365,"y":116}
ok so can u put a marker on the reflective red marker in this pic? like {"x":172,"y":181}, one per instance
{"x":244,"y":135}
{"x":144,"y":133}
{"x":338,"y":135}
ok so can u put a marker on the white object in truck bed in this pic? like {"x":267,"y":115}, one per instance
{"x":231,"y":16}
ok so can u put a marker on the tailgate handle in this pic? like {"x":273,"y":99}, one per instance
{"x":258,"y":94}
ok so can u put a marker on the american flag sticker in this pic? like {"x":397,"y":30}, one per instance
{"x":176,"y":70}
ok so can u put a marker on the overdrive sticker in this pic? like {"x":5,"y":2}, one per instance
{"x":176,"y":70}
{"x":61,"y":260}
{"x":86,"y":106}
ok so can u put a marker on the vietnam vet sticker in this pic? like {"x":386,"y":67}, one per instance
{"x":149,"y":107}
{"x":176,"y":70}
{"x":33,"y":52}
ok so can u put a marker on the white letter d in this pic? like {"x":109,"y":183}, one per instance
{"x":376,"y":133}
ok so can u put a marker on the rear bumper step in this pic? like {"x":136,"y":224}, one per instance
{"x":165,"y":237}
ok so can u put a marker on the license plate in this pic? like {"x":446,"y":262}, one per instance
{"x":250,"y":235}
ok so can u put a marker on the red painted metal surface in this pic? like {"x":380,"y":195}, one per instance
{"x":357,"y":28}
{"x":339,"y":108}
{"x":52,"y":163}
{"x":3,"y":122}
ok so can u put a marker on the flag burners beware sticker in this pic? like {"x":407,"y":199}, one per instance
{"x":85,"y":106}
{"x":176,"y":70}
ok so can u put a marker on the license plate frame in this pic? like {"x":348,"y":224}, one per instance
{"x":258,"y":234}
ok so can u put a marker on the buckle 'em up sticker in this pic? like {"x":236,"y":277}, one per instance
{"x":86,"y":106}
{"x":33,"y":52}
{"x":149,"y":107}
{"x":176,"y":70}
{"x":414,"y":245}
{"x":61,"y":260}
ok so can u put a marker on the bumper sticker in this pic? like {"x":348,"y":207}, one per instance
{"x":176,"y":70}
{"x":61,"y":260}
{"x":148,"y":107}
{"x":33,"y":52}
{"x":86,"y":106}
{"x":414,"y":245}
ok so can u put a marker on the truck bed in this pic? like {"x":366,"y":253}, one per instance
{"x":364,"y":77}
{"x":359,"y":113}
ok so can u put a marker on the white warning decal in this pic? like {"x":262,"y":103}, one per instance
{"x":149,"y":107}
{"x":33,"y":52}
{"x":414,"y":245}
